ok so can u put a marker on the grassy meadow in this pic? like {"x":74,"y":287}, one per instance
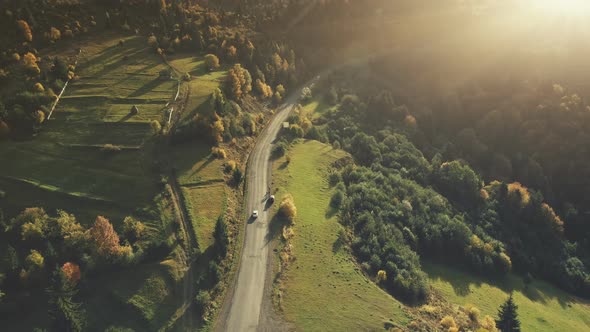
{"x":316,"y":107}
{"x":323,"y":288}
{"x":199,"y":174}
{"x":94,"y":110}
{"x":63,"y":167}
{"x":541,"y":307}
{"x":201,"y":88}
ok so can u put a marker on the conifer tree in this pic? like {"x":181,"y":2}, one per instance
{"x":508,"y":318}
{"x":66,"y":314}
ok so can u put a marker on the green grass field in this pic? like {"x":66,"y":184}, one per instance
{"x":316,"y":107}
{"x":324,"y":289}
{"x":204,"y":82}
{"x":64,"y":168}
{"x":203,"y":186}
{"x":541,"y":307}
{"x":94,"y":111}
{"x":199,"y":174}
{"x":113,"y":78}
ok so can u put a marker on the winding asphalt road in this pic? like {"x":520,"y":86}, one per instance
{"x":245,"y":306}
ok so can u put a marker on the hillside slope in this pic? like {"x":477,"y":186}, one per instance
{"x":323,"y":289}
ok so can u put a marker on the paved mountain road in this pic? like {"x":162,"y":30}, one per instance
{"x":243,"y":312}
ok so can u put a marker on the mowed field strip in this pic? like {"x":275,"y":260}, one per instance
{"x":199,"y":173}
{"x":324,"y":290}
{"x":65,"y":160}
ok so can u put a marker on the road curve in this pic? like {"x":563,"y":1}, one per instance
{"x":245,"y":306}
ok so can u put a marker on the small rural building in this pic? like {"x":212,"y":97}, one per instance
{"x":134,"y":110}
{"x":286,"y":125}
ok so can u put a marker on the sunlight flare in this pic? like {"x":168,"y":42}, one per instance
{"x":572,"y":8}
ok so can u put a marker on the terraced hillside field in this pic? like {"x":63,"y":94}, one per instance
{"x":199,"y":174}
{"x":65,"y":167}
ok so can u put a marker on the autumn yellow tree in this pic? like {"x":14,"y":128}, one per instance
{"x":33,"y":222}
{"x":232,"y":52}
{"x":472,"y":312}
{"x":156,"y":127}
{"x":234,"y":85}
{"x":38,"y":87}
{"x":133,"y":229}
{"x":238,"y":81}
{"x":153,"y":42}
{"x":54,"y":34}
{"x":24,"y":28}
{"x":38,"y":117}
{"x":277,"y":98}
{"x":34,"y":261}
{"x":264,"y":90}
{"x":519,"y":194}
{"x":217,"y":128}
{"x":212,"y":61}
{"x":287,"y":208}
{"x":66,"y":227}
{"x":448,"y":322}
{"x":489,"y":324}
{"x":30,"y":63}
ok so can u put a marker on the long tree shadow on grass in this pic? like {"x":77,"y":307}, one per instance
{"x":283,"y":165}
{"x":126,"y":117}
{"x":102,"y":56}
{"x":461,"y":285}
{"x":148,"y":87}
{"x":275,"y":227}
{"x":208,"y":161}
{"x":533,"y":294}
{"x":119,"y":64}
{"x":337,"y":245}
{"x":117,"y":61}
{"x":331,"y":212}
{"x":463,"y":280}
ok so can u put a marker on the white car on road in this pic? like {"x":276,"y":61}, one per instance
{"x":255,"y":214}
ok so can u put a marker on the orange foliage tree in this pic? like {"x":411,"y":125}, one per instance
{"x":72,"y":272}
{"x":30,"y":63}
{"x":552,"y":218}
{"x":105,"y":239}
{"x":25,"y":30}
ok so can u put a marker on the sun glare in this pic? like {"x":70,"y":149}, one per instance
{"x":564,"y":7}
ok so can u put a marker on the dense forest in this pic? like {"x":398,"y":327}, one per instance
{"x":399,"y":203}
{"x":489,"y":172}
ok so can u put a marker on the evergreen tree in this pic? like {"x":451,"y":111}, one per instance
{"x":66,"y":314}
{"x":221,"y":236}
{"x":508,"y":318}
